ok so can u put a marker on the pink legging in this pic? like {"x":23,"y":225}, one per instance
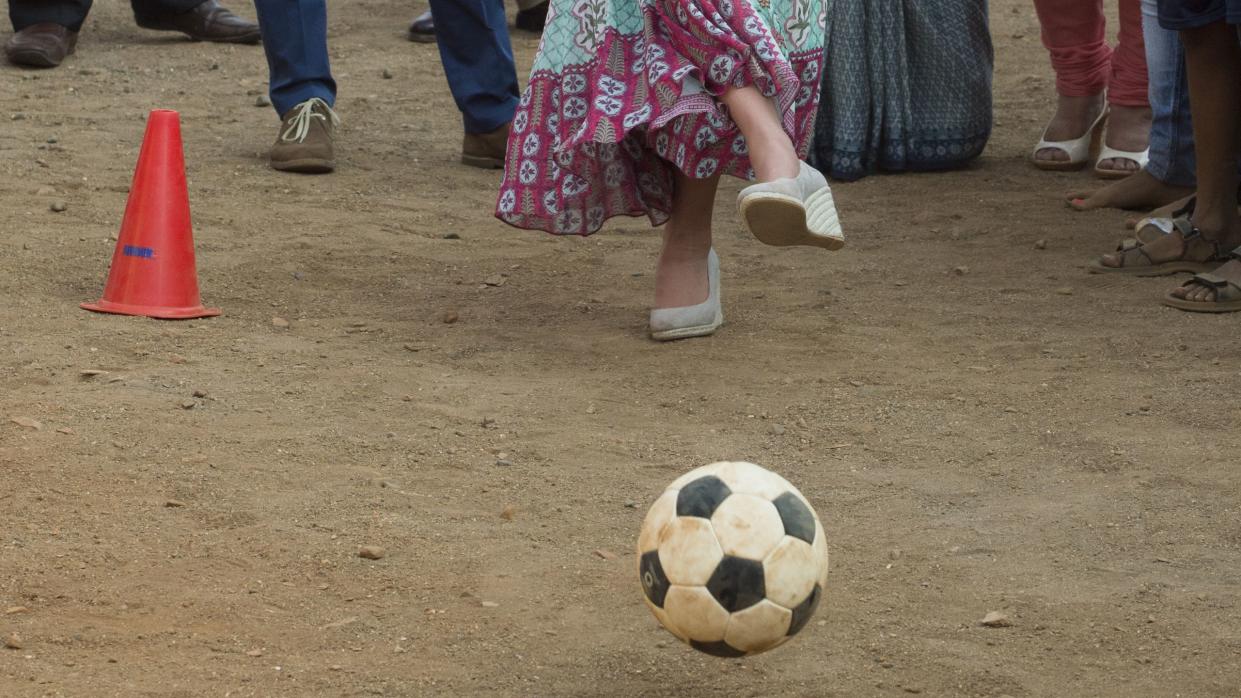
{"x":1073,"y":32}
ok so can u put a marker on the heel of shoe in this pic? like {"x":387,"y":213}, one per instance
{"x":822,"y":217}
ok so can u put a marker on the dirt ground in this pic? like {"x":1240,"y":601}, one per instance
{"x":982,"y":425}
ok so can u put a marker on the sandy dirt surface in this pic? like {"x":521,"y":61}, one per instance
{"x":982,"y":425}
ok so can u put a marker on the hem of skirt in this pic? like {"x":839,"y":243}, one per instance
{"x":655,"y":216}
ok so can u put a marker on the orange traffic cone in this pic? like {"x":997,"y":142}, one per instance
{"x":153,"y":272}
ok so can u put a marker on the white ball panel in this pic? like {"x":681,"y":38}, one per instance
{"x":689,"y":551}
{"x":662,"y":616}
{"x":695,"y":613}
{"x":791,"y":571}
{"x":759,"y":627}
{"x":747,"y":526}
{"x":748,"y":478}
{"x":663,"y":511}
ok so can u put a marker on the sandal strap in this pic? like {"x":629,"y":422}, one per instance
{"x":1207,"y":279}
{"x":1189,"y":231}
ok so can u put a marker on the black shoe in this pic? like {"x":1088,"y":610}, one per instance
{"x":422,"y":29}
{"x":533,"y":19}
{"x":207,"y":22}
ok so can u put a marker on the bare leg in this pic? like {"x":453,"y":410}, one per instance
{"x":681,"y":276}
{"x":771,"y":150}
{"x":1213,"y":62}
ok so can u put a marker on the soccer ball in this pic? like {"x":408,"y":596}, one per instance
{"x":732,"y":559}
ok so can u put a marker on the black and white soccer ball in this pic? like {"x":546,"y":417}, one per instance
{"x":732,"y":559}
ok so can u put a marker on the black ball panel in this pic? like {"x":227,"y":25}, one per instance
{"x":654,"y":582}
{"x":702,"y":497}
{"x":797,"y":517}
{"x":804,"y":610}
{"x":737,"y":584}
{"x":717,"y":649}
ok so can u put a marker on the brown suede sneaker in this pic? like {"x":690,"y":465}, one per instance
{"x":485,"y":150}
{"x":305,"y":143}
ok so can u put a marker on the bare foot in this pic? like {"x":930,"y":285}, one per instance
{"x":1141,"y":191}
{"x":1128,"y":129}
{"x":681,"y":276}
{"x":1164,"y":211}
{"x":1072,"y":119}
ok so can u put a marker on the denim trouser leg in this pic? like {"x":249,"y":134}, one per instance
{"x":1172,"y":136}
{"x":295,"y":40}
{"x":478,"y":61}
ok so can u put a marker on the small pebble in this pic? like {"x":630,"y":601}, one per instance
{"x":1064,"y":291}
{"x":777,"y":429}
{"x":451,"y":236}
{"x":449,"y":317}
{"x":504,"y":463}
{"x":262,"y":101}
{"x":995,"y":619}
{"x":630,"y":504}
{"x":279,"y":322}
{"x":200,"y":393}
{"x":961,"y":271}
{"x":174,"y":504}
{"x":14,"y":610}
{"x":1040,"y":244}
{"x":489,"y":604}
{"x":387,"y":74}
{"x":59,"y":206}
{"x":371,"y":552}
{"x":255,"y":653}
{"x":13,"y":642}
{"x":27,"y":423}
{"x":188,"y":404}
{"x":509,"y":513}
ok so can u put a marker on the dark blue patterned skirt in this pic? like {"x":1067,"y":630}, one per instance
{"x":906,"y":86}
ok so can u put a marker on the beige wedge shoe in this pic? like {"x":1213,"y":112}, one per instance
{"x":795,"y":211}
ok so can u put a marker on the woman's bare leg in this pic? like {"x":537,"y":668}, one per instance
{"x":681,"y":275}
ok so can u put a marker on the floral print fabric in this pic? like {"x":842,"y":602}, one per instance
{"x":622,"y":91}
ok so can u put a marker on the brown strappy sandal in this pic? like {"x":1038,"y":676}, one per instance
{"x":1136,"y":261}
{"x":1227,"y":293}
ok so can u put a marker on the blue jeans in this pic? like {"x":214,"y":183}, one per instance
{"x":1172,"y":133}
{"x":295,"y":40}
{"x":478,"y":61}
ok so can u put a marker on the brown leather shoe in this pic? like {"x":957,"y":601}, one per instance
{"x":207,"y":22}
{"x":306,"y":142}
{"x":42,"y":45}
{"x":485,"y":150}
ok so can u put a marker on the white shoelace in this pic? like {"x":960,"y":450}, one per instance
{"x":299,"y":128}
